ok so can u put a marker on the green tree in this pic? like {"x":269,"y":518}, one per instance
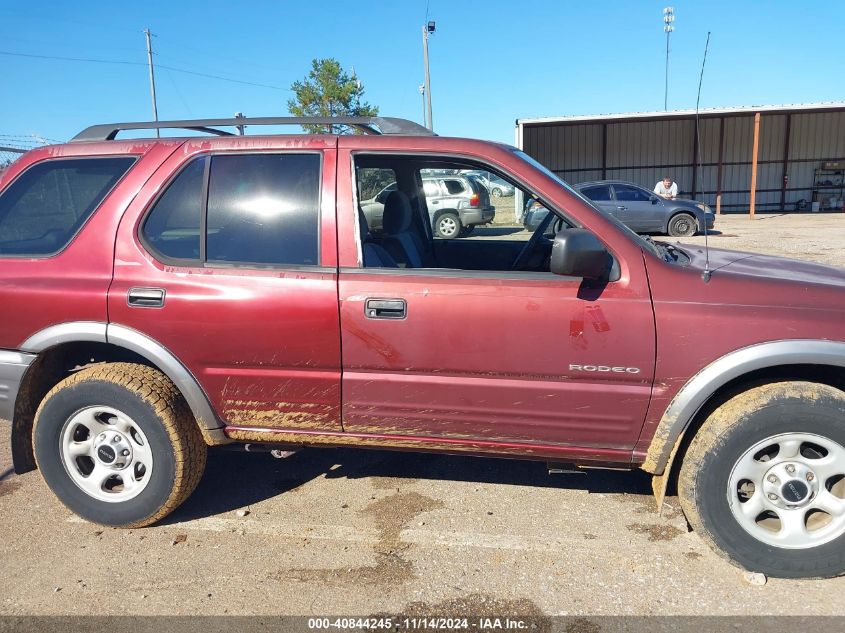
{"x":329,"y":90}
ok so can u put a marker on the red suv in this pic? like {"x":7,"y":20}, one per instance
{"x":165,"y":295}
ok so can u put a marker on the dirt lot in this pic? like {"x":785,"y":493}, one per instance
{"x":353,"y":532}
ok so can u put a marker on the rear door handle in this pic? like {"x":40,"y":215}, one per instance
{"x":385,"y":309}
{"x":145,"y":297}
{"x":621,"y":208}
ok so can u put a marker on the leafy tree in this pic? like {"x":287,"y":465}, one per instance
{"x":329,"y":90}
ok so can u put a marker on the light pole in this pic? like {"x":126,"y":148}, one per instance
{"x":668,"y":19}
{"x":427,"y":30}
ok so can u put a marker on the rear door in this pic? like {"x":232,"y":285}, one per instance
{"x":237,"y":242}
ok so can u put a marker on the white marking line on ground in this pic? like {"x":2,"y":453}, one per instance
{"x":424,"y":538}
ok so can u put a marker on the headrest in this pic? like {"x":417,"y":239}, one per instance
{"x":397,"y":213}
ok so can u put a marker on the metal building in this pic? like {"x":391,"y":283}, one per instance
{"x":794,"y":146}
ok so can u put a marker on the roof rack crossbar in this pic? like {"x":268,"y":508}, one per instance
{"x":368,"y":125}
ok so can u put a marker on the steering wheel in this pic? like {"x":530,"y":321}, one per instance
{"x":531,"y":245}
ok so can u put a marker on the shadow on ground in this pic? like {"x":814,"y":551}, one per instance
{"x":233,"y":479}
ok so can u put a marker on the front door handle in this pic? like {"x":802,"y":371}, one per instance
{"x":385,"y":309}
{"x":621,"y":208}
{"x":145,"y":297}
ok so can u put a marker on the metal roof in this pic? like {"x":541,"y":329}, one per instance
{"x":703,"y":112}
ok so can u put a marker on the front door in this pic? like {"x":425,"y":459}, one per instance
{"x":231,"y":268}
{"x":473,"y":350}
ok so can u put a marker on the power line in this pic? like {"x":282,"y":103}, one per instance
{"x":129,"y":63}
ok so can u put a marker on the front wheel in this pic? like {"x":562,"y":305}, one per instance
{"x":117,"y":444}
{"x":763,"y":480}
{"x":447,"y":225}
{"x":682,"y":225}
{"x":496,"y":192}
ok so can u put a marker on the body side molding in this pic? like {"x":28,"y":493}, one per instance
{"x":706,"y":382}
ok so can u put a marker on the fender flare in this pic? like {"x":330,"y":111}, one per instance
{"x":699,"y":389}
{"x":156,"y":353}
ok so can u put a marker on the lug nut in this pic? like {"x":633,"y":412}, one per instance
{"x":115,"y":439}
{"x":810,"y":476}
{"x":125,"y":452}
{"x":772,"y":479}
{"x":102,"y":436}
{"x":790,"y":468}
{"x":773,"y":496}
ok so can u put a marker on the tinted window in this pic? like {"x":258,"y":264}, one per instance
{"x":430,"y":188}
{"x":601,"y":192}
{"x":42,"y":210}
{"x":264,"y":209}
{"x":173,"y":226}
{"x":631,"y":194}
{"x":454,"y":186}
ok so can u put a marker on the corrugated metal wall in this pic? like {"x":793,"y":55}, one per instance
{"x":643,"y":151}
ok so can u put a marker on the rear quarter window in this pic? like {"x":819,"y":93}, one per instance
{"x":47,"y":205}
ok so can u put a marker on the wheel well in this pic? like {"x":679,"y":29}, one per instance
{"x":823,"y":374}
{"x":51,"y":367}
{"x":442,"y":212}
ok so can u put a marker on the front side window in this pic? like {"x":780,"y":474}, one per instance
{"x":262,"y":209}
{"x":631,"y":194}
{"x":445,"y":216}
{"x":44,"y":208}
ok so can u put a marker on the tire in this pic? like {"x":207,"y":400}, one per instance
{"x":682,"y":225}
{"x":496,"y":192}
{"x":447,"y":225}
{"x":86,"y":425}
{"x":798,"y":428}
{"x":466,"y":230}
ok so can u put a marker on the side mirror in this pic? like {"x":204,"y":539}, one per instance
{"x":654,"y":200}
{"x":381,"y":198}
{"x":579,"y":253}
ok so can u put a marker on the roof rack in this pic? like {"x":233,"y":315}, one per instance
{"x":368,"y":125}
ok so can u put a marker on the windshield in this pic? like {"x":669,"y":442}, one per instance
{"x":642,"y":241}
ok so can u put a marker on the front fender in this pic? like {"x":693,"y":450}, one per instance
{"x":703,"y":385}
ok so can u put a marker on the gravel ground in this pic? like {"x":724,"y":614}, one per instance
{"x":346,"y":532}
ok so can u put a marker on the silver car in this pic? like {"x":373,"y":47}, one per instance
{"x":456,"y":204}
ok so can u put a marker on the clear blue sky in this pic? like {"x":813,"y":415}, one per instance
{"x":490,"y":62}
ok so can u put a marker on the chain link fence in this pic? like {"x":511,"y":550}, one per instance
{"x":13,"y":146}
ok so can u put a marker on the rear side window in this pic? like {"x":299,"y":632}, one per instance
{"x":599,"y":193}
{"x":262,"y":209}
{"x":454,"y":186}
{"x":44,"y":208}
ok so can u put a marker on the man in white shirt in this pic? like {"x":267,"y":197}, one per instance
{"x":666,"y":188}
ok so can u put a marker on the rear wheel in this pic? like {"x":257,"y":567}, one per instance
{"x":447,"y":225}
{"x":764,"y":480}
{"x":682,"y":225}
{"x":496,"y":192}
{"x":118,"y":445}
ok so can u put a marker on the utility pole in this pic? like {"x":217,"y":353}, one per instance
{"x":668,"y":19}
{"x":241,"y":128}
{"x":422,"y":93}
{"x":152,"y":79}
{"x":427,"y":29}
